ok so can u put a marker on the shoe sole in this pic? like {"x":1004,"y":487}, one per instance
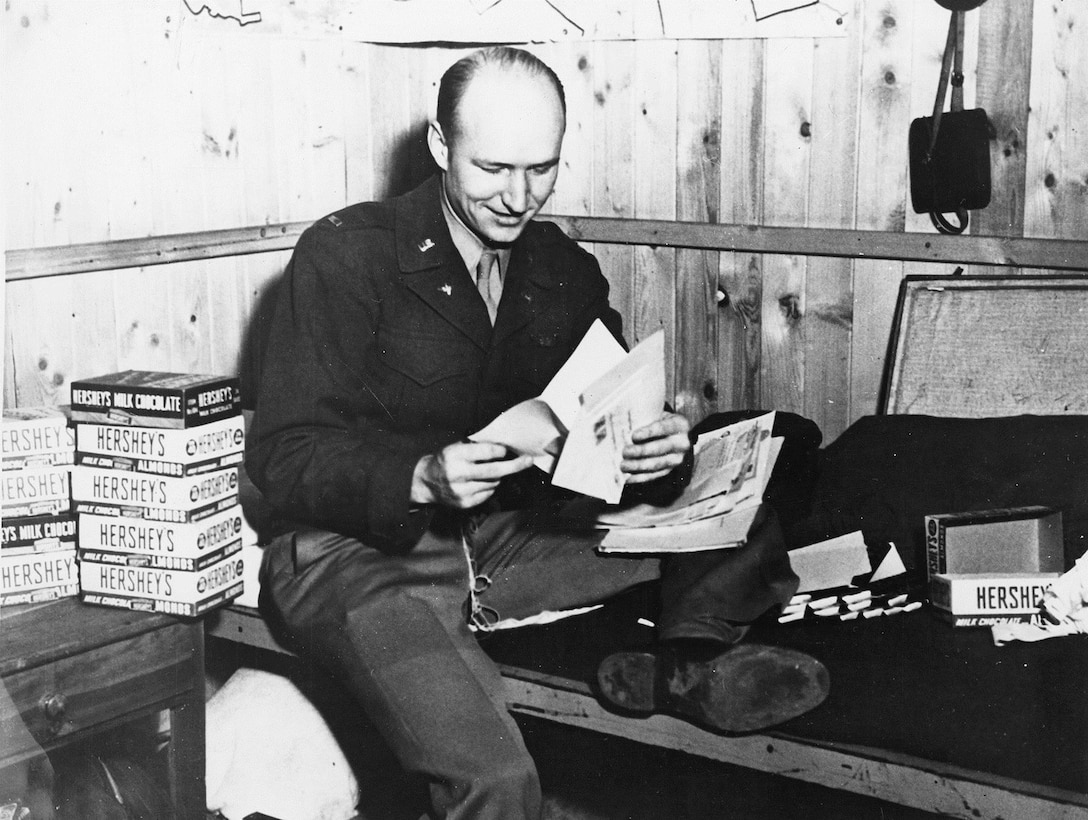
{"x":746,"y":688}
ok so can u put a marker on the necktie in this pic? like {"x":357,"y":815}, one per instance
{"x":488,"y":283}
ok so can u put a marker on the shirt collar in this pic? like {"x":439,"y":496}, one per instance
{"x":467,"y":243}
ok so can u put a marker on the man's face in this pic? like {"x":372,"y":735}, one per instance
{"x":500,"y":166}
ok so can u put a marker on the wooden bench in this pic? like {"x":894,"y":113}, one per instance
{"x":564,"y":696}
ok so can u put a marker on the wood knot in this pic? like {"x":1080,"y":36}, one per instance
{"x":791,"y":307}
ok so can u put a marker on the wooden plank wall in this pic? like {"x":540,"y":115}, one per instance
{"x":132,"y":118}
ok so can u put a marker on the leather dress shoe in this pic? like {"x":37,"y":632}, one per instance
{"x":743,"y":688}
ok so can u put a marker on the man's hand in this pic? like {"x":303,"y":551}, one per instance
{"x":464,"y":474}
{"x":656,"y":449}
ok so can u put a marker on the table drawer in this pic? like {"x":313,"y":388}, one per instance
{"x":105,"y":685}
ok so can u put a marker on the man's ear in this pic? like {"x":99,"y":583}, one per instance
{"x":440,"y":149}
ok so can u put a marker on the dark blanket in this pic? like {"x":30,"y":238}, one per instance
{"x":910,"y":683}
{"x":886,"y":473}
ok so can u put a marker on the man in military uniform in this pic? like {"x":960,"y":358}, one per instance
{"x":401,"y":328}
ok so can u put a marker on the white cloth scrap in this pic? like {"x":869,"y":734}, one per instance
{"x":1065,"y":602}
{"x":269,"y":750}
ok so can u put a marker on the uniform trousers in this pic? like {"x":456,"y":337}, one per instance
{"x":395,"y":630}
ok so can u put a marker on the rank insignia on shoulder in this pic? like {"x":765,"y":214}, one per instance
{"x":335,"y":220}
{"x":426,"y":245}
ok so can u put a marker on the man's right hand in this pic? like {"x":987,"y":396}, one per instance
{"x":464,"y":474}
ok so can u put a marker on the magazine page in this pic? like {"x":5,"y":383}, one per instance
{"x":720,"y":532}
{"x":728,"y":467}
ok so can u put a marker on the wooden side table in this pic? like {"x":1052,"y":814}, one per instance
{"x":73,"y":670}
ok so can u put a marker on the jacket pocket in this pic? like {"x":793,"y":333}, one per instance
{"x":430,"y":379}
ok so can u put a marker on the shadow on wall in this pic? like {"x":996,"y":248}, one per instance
{"x":410,"y":164}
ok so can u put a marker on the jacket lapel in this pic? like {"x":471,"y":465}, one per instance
{"x":431,"y":266}
{"x":527,"y":280}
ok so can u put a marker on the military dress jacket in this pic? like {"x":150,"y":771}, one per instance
{"x":380,"y":350}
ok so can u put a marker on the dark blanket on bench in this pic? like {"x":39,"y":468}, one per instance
{"x":908,"y":683}
{"x":886,"y":473}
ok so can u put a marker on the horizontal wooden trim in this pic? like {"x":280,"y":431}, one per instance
{"x":1007,"y":252}
{"x":943,"y":789}
{"x":32,"y":263}
{"x":995,"y":251}
{"x":244,"y":625}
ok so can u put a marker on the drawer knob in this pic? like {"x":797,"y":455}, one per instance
{"x":53,"y":706}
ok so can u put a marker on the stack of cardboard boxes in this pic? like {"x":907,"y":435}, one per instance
{"x":155,"y":487}
{"x":38,"y":551}
{"x":992,"y":567}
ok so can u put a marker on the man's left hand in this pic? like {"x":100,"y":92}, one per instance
{"x":656,"y":449}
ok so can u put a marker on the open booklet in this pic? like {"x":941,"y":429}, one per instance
{"x":718,"y":506}
{"x":577,"y":428}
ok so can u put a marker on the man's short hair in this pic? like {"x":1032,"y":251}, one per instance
{"x":456,"y":80}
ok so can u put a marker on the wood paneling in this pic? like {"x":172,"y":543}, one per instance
{"x":787,"y":95}
{"x":129,"y":119}
{"x":1004,"y":67}
{"x":740,"y":278}
{"x":574,"y":188}
{"x":613,"y":171}
{"x":250,"y":294}
{"x":883,"y":118}
{"x":829,"y":282}
{"x":1056,"y":199}
{"x":698,"y":199}
{"x":654,"y":80}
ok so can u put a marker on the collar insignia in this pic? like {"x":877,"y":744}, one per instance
{"x":426,"y":245}
{"x":447,"y":289}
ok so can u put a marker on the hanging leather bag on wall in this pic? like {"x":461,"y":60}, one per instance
{"x":950,"y":151}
